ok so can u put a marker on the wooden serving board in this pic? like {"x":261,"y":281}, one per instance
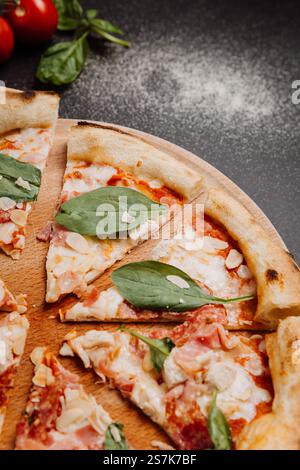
{"x":27,"y":275}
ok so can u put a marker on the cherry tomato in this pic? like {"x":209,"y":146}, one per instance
{"x":6,"y":40}
{"x":33,"y":21}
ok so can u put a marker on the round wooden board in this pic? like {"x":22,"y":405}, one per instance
{"x":27,"y":275}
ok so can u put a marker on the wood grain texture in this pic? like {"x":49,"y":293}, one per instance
{"x":27,"y":275}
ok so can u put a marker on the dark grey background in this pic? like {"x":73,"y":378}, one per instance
{"x":212,"y":76}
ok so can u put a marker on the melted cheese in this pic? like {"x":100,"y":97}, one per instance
{"x":105,"y":307}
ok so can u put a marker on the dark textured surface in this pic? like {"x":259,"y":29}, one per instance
{"x":212,"y":76}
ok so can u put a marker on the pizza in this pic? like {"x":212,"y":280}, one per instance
{"x":208,"y":388}
{"x":61,"y":415}
{"x":224,"y":259}
{"x":13,"y":332}
{"x":27,"y":123}
{"x":105,"y":161}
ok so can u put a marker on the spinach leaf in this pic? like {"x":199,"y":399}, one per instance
{"x":111,"y":443}
{"x":218,"y":427}
{"x":62,"y":63}
{"x":100,"y":212}
{"x":158,"y":286}
{"x":159,"y":348}
{"x":10,"y":170}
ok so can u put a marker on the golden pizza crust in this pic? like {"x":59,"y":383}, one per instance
{"x":23,"y":109}
{"x":103,"y":144}
{"x":276,"y":273}
{"x":279,"y":429}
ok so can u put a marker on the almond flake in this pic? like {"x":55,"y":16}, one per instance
{"x":22,"y":183}
{"x":244,"y":272}
{"x":77,"y":242}
{"x":178,"y":281}
{"x":37,"y":355}
{"x":65,"y":350}
{"x":43,"y":376}
{"x":234,"y":259}
{"x":212,"y":244}
{"x":19,"y":217}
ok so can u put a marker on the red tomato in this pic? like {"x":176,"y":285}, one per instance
{"x":6,"y":40}
{"x":33,"y":21}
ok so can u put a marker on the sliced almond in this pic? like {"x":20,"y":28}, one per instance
{"x":77,"y":242}
{"x":43,"y":376}
{"x":244,"y":272}
{"x":19,"y":217}
{"x":212,"y":244}
{"x":65,"y":350}
{"x":22,"y":183}
{"x":234,"y":259}
{"x":178,"y":281}
{"x":6,"y":203}
{"x":37,"y":355}
{"x":69,"y":418}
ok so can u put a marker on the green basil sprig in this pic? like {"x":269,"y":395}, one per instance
{"x":81,"y":214}
{"x":62,"y":63}
{"x":145,"y":285}
{"x":10,"y":170}
{"x":159,"y":348}
{"x":218,"y":427}
{"x":110,"y":442}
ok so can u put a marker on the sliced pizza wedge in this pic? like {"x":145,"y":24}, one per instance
{"x":60,"y":415}
{"x":13,"y":332}
{"x":27,"y":124}
{"x":206,"y":387}
{"x":106,"y":167}
{"x":224,"y":259}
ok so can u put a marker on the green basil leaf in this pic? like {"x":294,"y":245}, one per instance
{"x":10,"y":170}
{"x":145,"y":284}
{"x":218,"y":427}
{"x":69,"y":14}
{"x":62,"y":63}
{"x":105,"y":25}
{"x":110,"y":442}
{"x":82,"y":214}
{"x":108,"y":36}
{"x":159,"y":348}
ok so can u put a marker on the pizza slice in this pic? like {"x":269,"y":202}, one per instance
{"x":27,"y":124}
{"x":230,"y":257}
{"x":13,"y":332}
{"x":60,"y":415}
{"x":206,"y":387}
{"x":108,"y":167}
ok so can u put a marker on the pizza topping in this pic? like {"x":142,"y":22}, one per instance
{"x":178,"y":281}
{"x":77,"y":242}
{"x":234,"y":259}
{"x":22,"y":183}
{"x":134,"y":279}
{"x":159,"y":348}
{"x":212,"y":244}
{"x":19,"y":217}
{"x":43,"y":376}
{"x":114,"y":437}
{"x":244,"y":272}
{"x":218,"y":427}
{"x":7,"y":203}
{"x":16,"y":177}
